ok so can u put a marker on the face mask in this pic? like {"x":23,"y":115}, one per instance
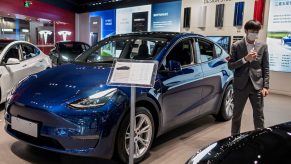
{"x":252,"y":36}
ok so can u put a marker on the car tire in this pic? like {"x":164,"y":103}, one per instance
{"x":226,"y":109}
{"x":124,"y":130}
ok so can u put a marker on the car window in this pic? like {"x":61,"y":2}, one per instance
{"x":182,"y":52}
{"x":142,"y":49}
{"x":13,"y":52}
{"x":85,"y":47}
{"x":138,"y":48}
{"x":29,"y":51}
{"x":218,"y":50}
{"x":206,"y":49}
{"x":72,"y":48}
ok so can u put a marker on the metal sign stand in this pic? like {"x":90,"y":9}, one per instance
{"x":143,"y":75}
{"x":132,"y":124}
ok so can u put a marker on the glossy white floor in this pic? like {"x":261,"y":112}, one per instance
{"x":174,"y":147}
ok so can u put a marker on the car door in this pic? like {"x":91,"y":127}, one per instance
{"x":32,"y":59}
{"x":10,"y":74}
{"x":212,"y":67}
{"x":181,"y":91}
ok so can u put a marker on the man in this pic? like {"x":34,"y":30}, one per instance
{"x":250,"y":62}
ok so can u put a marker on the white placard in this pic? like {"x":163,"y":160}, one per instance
{"x":133,"y":73}
{"x":24,"y":126}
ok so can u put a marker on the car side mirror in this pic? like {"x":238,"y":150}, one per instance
{"x":174,"y":66}
{"x":12,"y":61}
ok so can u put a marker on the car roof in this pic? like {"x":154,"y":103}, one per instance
{"x":64,"y":42}
{"x":167,"y":35}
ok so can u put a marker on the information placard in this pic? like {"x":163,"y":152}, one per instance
{"x":138,"y":73}
{"x":279,"y":35}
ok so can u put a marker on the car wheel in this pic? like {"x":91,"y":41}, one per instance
{"x":226,"y":110}
{"x":143,"y":137}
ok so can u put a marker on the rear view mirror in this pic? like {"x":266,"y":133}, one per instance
{"x":12,"y":61}
{"x":174,"y":66}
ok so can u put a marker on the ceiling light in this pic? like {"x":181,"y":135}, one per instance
{"x":25,"y":30}
{"x":7,"y":30}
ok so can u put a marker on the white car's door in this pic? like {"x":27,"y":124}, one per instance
{"x":34,"y":59}
{"x":10,"y":74}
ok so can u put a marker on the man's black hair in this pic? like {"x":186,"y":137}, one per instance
{"x":253,"y":25}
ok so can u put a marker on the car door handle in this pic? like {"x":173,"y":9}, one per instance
{"x":41,"y":60}
{"x":24,"y":65}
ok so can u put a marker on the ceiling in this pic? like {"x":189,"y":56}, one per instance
{"x":80,"y":6}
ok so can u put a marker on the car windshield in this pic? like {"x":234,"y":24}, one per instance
{"x":72,"y":48}
{"x":137,"y":48}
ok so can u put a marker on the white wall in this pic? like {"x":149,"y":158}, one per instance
{"x":228,"y":29}
{"x":82,"y":28}
{"x":280,"y":82}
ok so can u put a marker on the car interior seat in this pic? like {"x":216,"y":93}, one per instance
{"x":143,"y":52}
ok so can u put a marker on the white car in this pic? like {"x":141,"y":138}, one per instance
{"x":19,"y":59}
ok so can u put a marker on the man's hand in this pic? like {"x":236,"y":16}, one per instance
{"x":251,"y":56}
{"x":265,"y":92}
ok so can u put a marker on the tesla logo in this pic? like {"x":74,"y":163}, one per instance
{"x":64,"y":34}
{"x":45,"y":33}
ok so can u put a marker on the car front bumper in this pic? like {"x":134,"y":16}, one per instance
{"x":84,"y":135}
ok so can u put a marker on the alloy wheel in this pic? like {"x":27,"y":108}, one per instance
{"x":229,"y":103}
{"x":142,"y":135}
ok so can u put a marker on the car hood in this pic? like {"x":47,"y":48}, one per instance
{"x":270,"y":145}
{"x":62,"y":84}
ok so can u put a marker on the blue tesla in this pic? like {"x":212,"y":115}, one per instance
{"x":70,"y":109}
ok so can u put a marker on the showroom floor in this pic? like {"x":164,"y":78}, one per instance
{"x":174,"y":147}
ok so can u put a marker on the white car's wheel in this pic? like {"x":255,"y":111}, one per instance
{"x":226,"y":110}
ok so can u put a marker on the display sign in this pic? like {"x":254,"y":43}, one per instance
{"x":140,"y":21}
{"x":141,"y":73}
{"x":27,"y":4}
{"x":102,"y":24}
{"x":279,"y":35}
{"x":133,"y":19}
{"x":166,"y":16}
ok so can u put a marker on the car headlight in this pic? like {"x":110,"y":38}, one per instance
{"x":96,"y":100}
{"x":65,"y":58}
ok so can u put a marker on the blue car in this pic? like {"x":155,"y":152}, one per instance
{"x":70,"y":109}
{"x":286,"y":40}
